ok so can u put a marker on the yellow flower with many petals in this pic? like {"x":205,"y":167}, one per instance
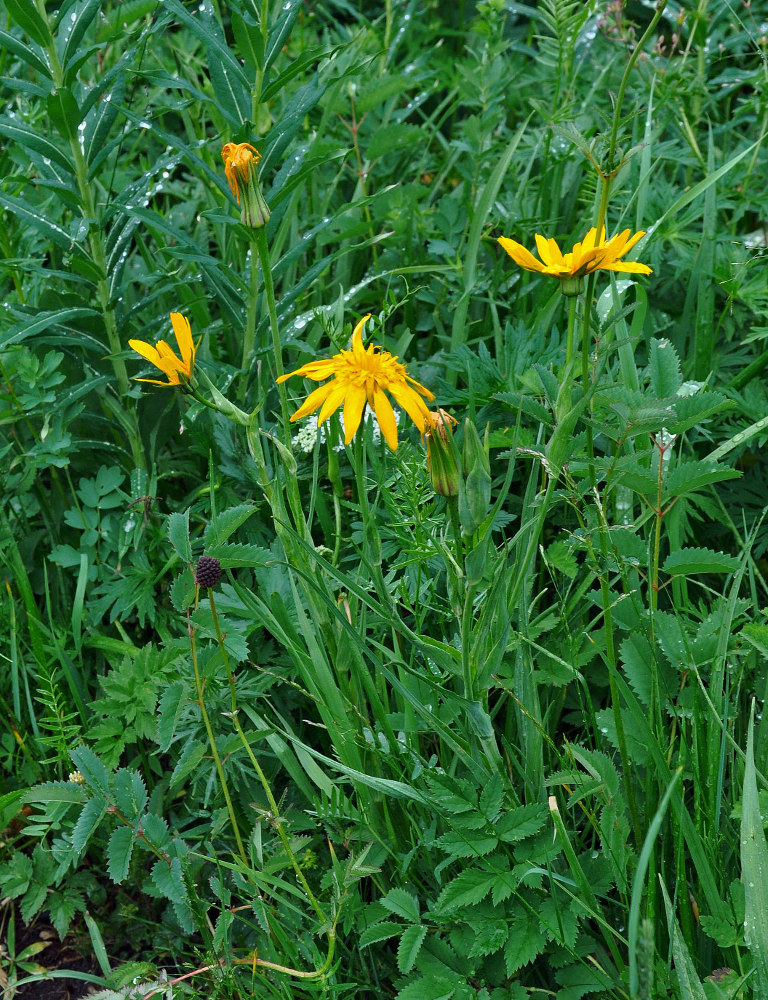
{"x":592,"y":254}
{"x":363,"y":376}
{"x":240,"y":166}
{"x":177,"y":369}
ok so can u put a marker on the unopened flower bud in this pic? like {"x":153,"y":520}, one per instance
{"x":475,"y":496}
{"x":444,"y":471}
{"x":240,"y":166}
{"x":208,"y":572}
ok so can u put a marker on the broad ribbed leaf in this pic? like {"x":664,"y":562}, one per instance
{"x":38,"y":220}
{"x":691,"y":987}
{"x":76,"y":23}
{"x":100,"y":119}
{"x":281,"y":30}
{"x":754,"y":870}
{"x":32,"y":139}
{"x":25,"y":14}
{"x":25,"y":52}
{"x":208,"y":32}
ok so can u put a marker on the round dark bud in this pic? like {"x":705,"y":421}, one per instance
{"x":208,"y":572}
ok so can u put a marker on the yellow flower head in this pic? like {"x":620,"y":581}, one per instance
{"x":363,"y":376}
{"x":592,"y":254}
{"x":240,"y":159}
{"x":177,"y":369}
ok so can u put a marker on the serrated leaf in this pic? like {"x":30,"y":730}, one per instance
{"x":90,"y":818}
{"x":119,"y":851}
{"x":526,"y":940}
{"x":722,"y":932}
{"x":55,"y":791}
{"x":92,"y":769}
{"x":491,"y":798}
{"x":62,"y":906}
{"x":467,"y":888}
{"x":16,"y":874}
{"x":172,"y":703}
{"x":130,"y":793}
{"x":409,"y":947}
{"x":665,"y":368}
{"x":182,"y":590}
{"x":226,"y":523}
{"x":521,"y":822}
{"x":168,"y":880}
{"x":382,"y":931}
{"x":699,"y":560}
{"x":692,"y":476}
{"x":178,"y":534}
{"x":155,"y":830}
{"x":692,"y":410}
{"x":191,"y":756}
{"x":427,"y":988}
{"x":403,"y":903}
{"x":235,"y":554}
{"x":467,"y":845}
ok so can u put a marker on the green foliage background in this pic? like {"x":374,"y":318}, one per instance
{"x":500,"y":747}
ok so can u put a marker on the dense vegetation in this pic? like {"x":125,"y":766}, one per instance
{"x":484,"y":723}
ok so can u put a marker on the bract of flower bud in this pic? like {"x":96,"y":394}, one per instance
{"x":475,"y":496}
{"x":444,"y":471}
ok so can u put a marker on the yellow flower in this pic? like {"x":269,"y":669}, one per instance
{"x":240,"y":160}
{"x":592,"y":254}
{"x":178,"y":369}
{"x":361,"y":376}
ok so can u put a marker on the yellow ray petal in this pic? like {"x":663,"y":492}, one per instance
{"x":183,"y":332}
{"x":386,"y":417}
{"x":521,"y":256}
{"x":334,"y":399}
{"x":354,"y":404}
{"x":313,"y":401}
{"x":412,"y":403}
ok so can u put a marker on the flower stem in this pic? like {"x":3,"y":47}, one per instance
{"x":212,"y":742}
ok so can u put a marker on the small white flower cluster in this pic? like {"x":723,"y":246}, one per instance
{"x":305,"y":437}
{"x":76,"y":778}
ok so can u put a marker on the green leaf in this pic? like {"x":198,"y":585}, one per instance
{"x":191,"y":756}
{"x":29,"y":138}
{"x":492,"y":798}
{"x":249,"y":41}
{"x":664,"y":368}
{"x":467,"y":845}
{"x":409,"y":947}
{"x":168,"y":880}
{"x":88,"y":821}
{"x":403,"y":903}
{"x":55,"y":791}
{"x":382,"y":931}
{"x":467,"y":888}
{"x":119,"y":851}
{"x":178,"y":534}
{"x":392,"y":138}
{"x":691,"y":987}
{"x":521,"y":822}
{"x":279,"y":32}
{"x":698,"y":560}
{"x":16,"y":874}
{"x":693,"y":476}
{"x":91,"y":768}
{"x":428,"y":988}
{"x":171,"y":705}
{"x":234,"y":554}
{"x":527,"y":939}
{"x":226,"y":523}
{"x":39,"y":221}
{"x":25,"y":14}
{"x":32,"y":58}
{"x":100,"y":119}
{"x":130,"y":793}
{"x":156,"y":832}
{"x":754,"y":869}
{"x":62,"y":907}
{"x":76,"y":23}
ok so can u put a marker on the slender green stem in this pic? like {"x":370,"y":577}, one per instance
{"x":569,"y":343}
{"x":249,"y":334}
{"x":212,"y":742}
{"x":274,"y":326}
